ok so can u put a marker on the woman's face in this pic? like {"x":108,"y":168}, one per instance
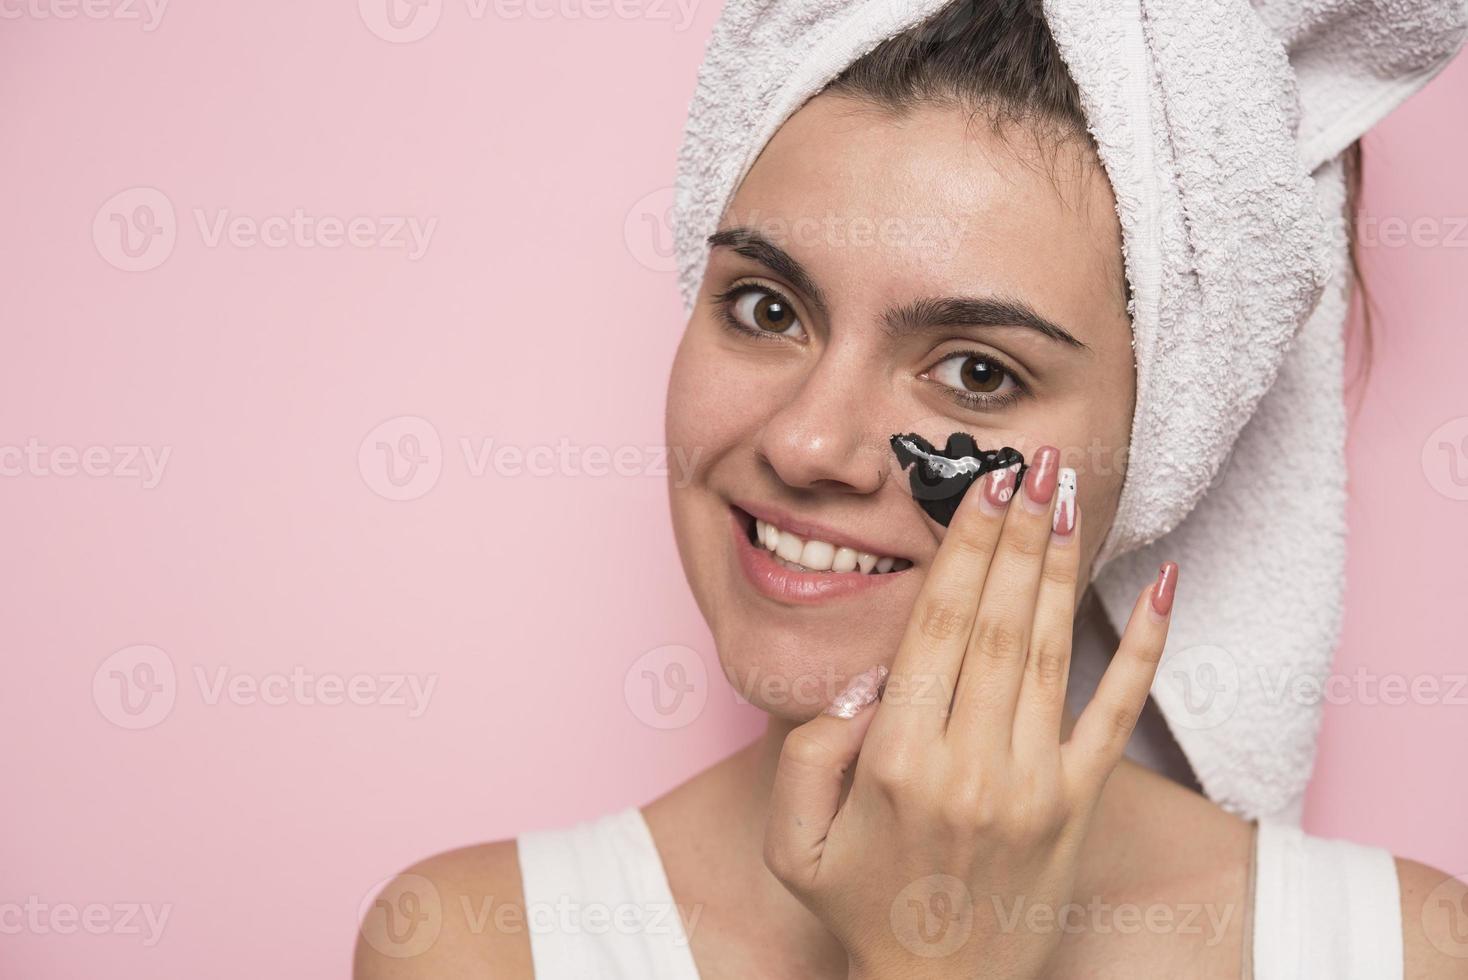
{"x":878,"y":274}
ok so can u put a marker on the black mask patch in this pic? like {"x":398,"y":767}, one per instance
{"x":940,"y":477}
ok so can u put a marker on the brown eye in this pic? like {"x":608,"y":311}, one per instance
{"x":771,"y":313}
{"x":976,"y":377}
{"x":981,"y":374}
{"x":765,"y":312}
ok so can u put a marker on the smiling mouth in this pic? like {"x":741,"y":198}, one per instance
{"x":812,"y":555}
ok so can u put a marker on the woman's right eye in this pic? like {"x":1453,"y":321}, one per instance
{"x":761,"y":311}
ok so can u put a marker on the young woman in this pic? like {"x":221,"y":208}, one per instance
{"x":924,"y":802}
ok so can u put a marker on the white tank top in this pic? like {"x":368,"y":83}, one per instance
{"x":599,"y":907}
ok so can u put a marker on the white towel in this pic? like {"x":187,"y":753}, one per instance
{"x":1220,"y":124}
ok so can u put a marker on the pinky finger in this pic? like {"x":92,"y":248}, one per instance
{"x":1100,"y":736}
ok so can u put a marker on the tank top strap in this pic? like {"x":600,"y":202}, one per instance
{"x":598,"y":905}
{"x":1324,"y":909}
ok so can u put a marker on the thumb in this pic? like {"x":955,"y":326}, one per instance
{"x":808,"y":781}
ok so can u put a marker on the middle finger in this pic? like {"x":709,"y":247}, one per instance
{"x":993,"y":665}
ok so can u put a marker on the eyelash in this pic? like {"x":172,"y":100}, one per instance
{"x":979,"y":400}
{"x":726,"y":299}
{"x":968,"y":399}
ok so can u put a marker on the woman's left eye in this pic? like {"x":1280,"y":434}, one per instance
{"x":761,"y":311}
{"x":977,"y":378}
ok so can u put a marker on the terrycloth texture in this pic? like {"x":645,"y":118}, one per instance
{"x":1220,"y":125}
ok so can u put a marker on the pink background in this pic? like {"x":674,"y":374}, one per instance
{"x":543,"y":312}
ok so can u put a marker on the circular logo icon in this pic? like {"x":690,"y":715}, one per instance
{"x":400,"y":21}
{"x":1200,"y":686}
{"x":135,"y":230}
{"x":1445,"y":459}
{"x":402,"y":458}
{"x":402,"y":916}
{"x":648,"y":231}
{"x":1445,"y":916}
{"x":135,"y":687}
{"x":933,"y":916}
{"x":667,"y":687}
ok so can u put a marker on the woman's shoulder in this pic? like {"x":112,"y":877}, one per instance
{"x":458,"y":913}
{"x":1434,"y":922}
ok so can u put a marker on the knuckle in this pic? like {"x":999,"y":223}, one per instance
{"x":1027,"y":544}
{"x":806,"y":751}
{"x":890,"y":772}
{"x":943,"y":618}
{"x":1059,"y":573}
{"x":1120,"y":720}
{"x":1042,"y":809}
{"x":968,"y":806}
{"x":1149,"y":653}
{"x":1048,"y":665}
{"x":971,"y":538}
{"x":998,"y":636}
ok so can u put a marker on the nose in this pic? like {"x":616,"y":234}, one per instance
{"x":822,"y":437}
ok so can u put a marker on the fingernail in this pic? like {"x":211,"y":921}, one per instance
{"x":860,"y":691}
{"x":999,"y":487}
{"x":1040,"y":477}
{"x":1165,"y":587}
{"x":1064,"y":520}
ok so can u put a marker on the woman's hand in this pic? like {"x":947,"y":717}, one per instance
{"x":966,"y":813}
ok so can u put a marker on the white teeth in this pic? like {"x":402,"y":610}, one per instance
{"x":820,"y":556}
{"x":817,"y":556}
{"x":789,"y":547}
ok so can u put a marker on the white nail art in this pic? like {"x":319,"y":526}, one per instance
{"x":1007,"y":490}
{"x":1065,"y":501}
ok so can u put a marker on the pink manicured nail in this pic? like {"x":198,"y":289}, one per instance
{"x":1165,"y":588}
{"x":1040,"y":477}
{"x":1064,"y":520}
{"x":999,"y":486}
{"x":861,"y":691}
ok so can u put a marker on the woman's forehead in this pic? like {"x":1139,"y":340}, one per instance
{"x":882,"y":208}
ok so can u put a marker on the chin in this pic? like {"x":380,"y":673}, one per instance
{"x":792,"y":673}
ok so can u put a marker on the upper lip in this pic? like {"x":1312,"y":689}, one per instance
{"x":801,"y":527}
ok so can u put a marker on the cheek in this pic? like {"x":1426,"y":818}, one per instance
{"x":705,"y":410}
{"x":1100,"y":460}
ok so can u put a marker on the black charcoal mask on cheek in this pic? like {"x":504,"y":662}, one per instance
{"x":940,"y":477}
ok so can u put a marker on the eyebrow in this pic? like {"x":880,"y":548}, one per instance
{"x":910,"y":317}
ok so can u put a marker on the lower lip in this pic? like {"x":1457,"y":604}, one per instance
{"x":775,"y":581}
